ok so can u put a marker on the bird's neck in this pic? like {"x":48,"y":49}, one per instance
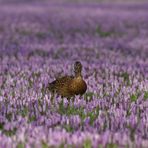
{"x":78,"y":75}
{"x":78,"y":79}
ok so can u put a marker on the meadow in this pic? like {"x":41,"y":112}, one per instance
{"x":40,"y":41}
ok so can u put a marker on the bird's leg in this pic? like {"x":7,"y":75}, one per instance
{"x":52,"y":97}
{"x":73,"y":99}
{"x":68,"y":102}
{"x":62,"y":101}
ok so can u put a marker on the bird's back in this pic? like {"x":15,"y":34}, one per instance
{"x":61,"y":86}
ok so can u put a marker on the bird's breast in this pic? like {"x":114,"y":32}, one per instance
{"x":78,"y":87}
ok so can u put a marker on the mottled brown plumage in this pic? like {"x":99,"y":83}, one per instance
{"x":69,"y":86}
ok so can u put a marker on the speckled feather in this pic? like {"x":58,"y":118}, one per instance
{"x":69,"y":86}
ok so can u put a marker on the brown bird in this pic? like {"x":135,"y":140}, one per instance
{"x":69,"y":86}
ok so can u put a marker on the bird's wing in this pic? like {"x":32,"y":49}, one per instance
{"x":59,"y":82}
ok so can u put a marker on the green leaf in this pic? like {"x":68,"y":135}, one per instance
{"x":70,"y":110}
{"x":134,"y":97}
{"x":145,"y":95}
{"x":68,"y":128}
{"x":10,"y":132}
{"x":9,"y":116}
{"x":126,"y":78}
{"x":88,"y":96}
{"x":24,"y":111}
{"x":1,"y":126}
{"x":100,"y":146}
{"x":93,"y":115}
{"x":128,"y":113}
{"x":112,"y":145}
{"x":44,"y":145}
{"x":103,"y":33}
{"x":87,"y":144}
{"x":31,"y":119}
{"x":62,"y":145}
{"x":21,"y":145}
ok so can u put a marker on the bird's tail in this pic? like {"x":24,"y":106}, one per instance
{"x":50,"y":86}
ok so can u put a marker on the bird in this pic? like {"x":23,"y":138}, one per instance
{"x":69,"y":86}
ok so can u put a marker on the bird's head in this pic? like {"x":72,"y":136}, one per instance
{"x":77,"y":68}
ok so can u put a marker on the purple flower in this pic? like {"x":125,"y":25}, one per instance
{"x":40,"y":41}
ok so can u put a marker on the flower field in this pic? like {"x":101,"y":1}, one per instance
{"x":40,"y":41}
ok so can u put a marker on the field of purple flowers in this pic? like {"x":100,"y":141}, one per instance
{"x":40,"y":42}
